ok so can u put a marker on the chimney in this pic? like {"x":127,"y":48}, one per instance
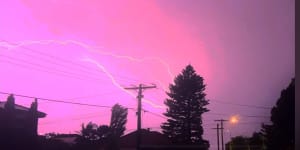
{"x":10,"y":103}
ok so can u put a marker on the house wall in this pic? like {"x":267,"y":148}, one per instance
{"x":17,"y":129}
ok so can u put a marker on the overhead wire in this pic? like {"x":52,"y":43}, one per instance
{"x":72,"y":119}
{"x":74,"y":64}
{"x":229,"y":103}
{"x":66,"y":61}
{"x":237,"y":104}
{"x":253,"y":116}
{"x":62,"y":101}
{"x":42,"y":67}
{"x":103,"y":106}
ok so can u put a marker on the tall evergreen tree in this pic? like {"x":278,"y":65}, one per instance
{"x":186,"y":104}
{"x":281,"y":133}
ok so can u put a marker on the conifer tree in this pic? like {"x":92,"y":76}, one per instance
{"x":185,"y":106}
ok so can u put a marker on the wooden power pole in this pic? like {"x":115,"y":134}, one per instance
{"x":218,"y":135}
{"x":222,"y":138}
{"x":140,"y":89}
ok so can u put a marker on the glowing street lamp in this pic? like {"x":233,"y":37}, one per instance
{"x":234,"y":119}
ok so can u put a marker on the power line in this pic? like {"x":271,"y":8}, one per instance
{"x":63,"y":60}
{"x":94,"y":105}
{"x":27,"y":64}
{"x":39,"y":69}
{"x":102,"y":106}
{"x":72,"y":119}
{"x":221,"y":114}
{"x":61,"y":101}
{"x":64,"y":73}
{"x":43,"y":69}
{"x":209,"y":113}
{"x":76,"y":103}
{"x":244,"y":105}
{"x":155,"y":114}
{"x":80,"y":117}
{"x":236,"y":104}
{"x":85,"y":117}
{"x":74,"y":75}
{"x":50,"y":61}
{"x":89,"y":96}
{"x":83,"y":67}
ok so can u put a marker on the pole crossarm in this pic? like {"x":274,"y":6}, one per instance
{"x":222,"y":120}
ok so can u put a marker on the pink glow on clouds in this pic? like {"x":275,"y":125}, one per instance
{"x":227,"y":43}
{"x":124,"y":30}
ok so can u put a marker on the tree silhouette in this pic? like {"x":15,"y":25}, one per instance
{"x":89,"y":137}
{"x":118,"y":120}
{"x":89,"y":132}
{"x":104,"y":132}
{"x":281,"y":133}
{"x":186,"y":104}
{"x":107,"y":137}
{"x":117,"y":126}
{"x":238,"y":143}
{"x":255,"y":142}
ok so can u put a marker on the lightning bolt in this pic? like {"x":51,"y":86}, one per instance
{"x":8,"y":45}
{"x":102,"y":68}
{"x":88,"y":47}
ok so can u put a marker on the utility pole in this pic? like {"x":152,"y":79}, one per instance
{"x":218,"y":135}
{"x":140,"y":89}
{"x":222,"y":120}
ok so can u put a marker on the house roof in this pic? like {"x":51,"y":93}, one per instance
{"x":147,"y":138}
{"x":23,"y":108}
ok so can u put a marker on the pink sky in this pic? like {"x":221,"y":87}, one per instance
{"x":243,"y":49}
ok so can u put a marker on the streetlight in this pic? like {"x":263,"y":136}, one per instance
{"x":234,"y":119}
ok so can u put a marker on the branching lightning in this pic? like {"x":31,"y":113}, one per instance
{"x":44,"y":42}
{"x":9,"y":45}
{"x":116,"y":83}
{"x":88,"y":47}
